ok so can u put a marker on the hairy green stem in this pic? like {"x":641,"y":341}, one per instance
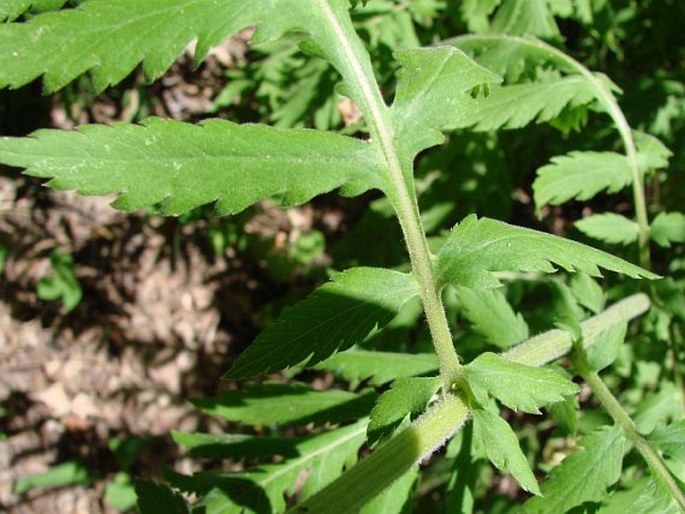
{"x":622,"y":419}
{"x":353,"y":489}
{"x":551,"y":345}
{"x":425,"y":435}
{"x":402,"y":195}
{"x":608,"y":101}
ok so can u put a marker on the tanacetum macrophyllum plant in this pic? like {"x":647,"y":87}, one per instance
{"x":398,"y":408}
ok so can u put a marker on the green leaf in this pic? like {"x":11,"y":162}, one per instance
{"x":515,"y":106}
{"x":433,"y":93}
{"x":610,"y":228}
{"x":182,"y":166}
{"x":261,"y":490}
{"x":588,"y":292}
{"x":235,"y":446}
{"x":580,"y":175}
{"x":670,"y":439}
{"x":525,"y":17}
{"x":61,"y":475}
{"x":656,"y":498}
{"x":11,"y":9}
{"x":121,"y":493}
{"x":406,"y":396}
{"x":379,"y":367}
{"x":502,"y":448}
{"x":4,"y":252}
{"x":667,"y":228}
{"x":154,"y":499}
{"x":337,"y":315}
{"x":651,"y":152}
{"x":566,"y":415}
{"x":658,"y":407}
{"x":272,"y":403}
{"x":607,"y":346}
{"x":62,"y":285}
{"x":511,"y":57}
{"x":105,"y":38}
{"x":583,"y":476}
{"x":491,"y":316}
{"x":475,"y":13}
{"x":516,"y":385}
{"x":477,"y":247}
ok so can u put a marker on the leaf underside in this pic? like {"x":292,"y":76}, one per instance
{"x":181,"y":166}
{"x":478,"y":247}
{"x":336,"y":316}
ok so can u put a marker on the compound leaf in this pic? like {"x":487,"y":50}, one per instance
{"x":337,"y":315}
{"x":182,"y":166}
{"x":516,"y":385}
{"x":379,"y":367}
{"x":516,"y":106}
{"x":272,"y":403}
{"x":502,"y":448}
{"x":583,"y":476}
{"x":491,"y":316}
{"x":478,"y":247}
{"x":580,"y":175}
{"x":667,"y":228}
{"x":610,"y":228}
{"x":406,"y":396}
{"x":261,"y":490}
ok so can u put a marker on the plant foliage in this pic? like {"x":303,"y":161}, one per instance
{"x":395,"y":386}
